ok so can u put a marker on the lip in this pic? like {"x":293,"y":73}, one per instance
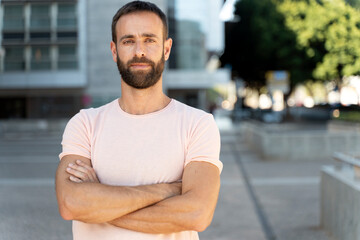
{"x":139,"y":65}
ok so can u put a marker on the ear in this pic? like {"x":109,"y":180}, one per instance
{"x":113,"y":51}
{"x":167,"y":48}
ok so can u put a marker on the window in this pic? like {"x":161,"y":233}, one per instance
{"x":13,"y":18}
{"x":39,"y":36}
{"x":66,"y":18}
{"x":40,"y":17}
{"x":40,"y":22}
{"x":14,"y":36}
{"x":40,"y":58}
{"x":13,"y":23}
{"x":66,"y":22}
{"x":14,"y":59}
{"x":66,"y":35}
{"x":67,"y":57}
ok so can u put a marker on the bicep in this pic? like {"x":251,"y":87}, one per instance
{"x":202,"y":181}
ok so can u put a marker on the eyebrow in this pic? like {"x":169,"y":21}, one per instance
{"x":143,"y":35}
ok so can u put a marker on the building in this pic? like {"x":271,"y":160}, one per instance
{"x":55,"y":58}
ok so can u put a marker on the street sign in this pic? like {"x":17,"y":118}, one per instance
{"x":278,"y":80}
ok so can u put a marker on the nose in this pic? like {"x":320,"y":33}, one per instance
{"x":139,"y":49}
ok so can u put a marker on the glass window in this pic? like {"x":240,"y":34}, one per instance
{"x":40,"y":36}
{"x":13,"y":17}
{"x":67,"y":35}
{"x":14,"y":59}
{"x":66,"y":16}
{"x":68,"y":57}
{"x":13,"y":36}
{"x":40,"y":17}
{"x":40,"y":58}
{"x":197,"y":32}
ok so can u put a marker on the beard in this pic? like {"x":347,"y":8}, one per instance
{"x":141,"y":79}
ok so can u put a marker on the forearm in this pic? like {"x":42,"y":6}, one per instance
{"x":176,"y":214}
{"x":99,"y":203}
{"x":192,"y":210}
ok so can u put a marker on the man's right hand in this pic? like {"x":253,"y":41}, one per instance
{"x":81,"y":172}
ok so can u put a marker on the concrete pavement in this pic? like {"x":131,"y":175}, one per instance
{"x":287,"y":193}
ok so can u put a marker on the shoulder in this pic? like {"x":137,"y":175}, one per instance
{"x":197,"y":121}
{"x":88,"y":117}
{"x":193,"y":115}
{"x":190,"y":112}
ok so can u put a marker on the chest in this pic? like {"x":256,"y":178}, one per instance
{"x":143,"y":152}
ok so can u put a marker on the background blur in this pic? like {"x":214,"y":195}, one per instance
{"x":284,"y":57}
{"x":55,"y":55}
{"x":282,"y":78}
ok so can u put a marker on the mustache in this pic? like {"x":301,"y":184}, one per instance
{"x":140,"y":60}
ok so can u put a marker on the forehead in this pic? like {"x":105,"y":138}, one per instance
{"x":138,"y":23}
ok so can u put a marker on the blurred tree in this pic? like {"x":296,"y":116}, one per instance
{"x":312,"y":39}
{"x":260,"y":42}
{"x":354,"y":3}
{"x":329,"y":31}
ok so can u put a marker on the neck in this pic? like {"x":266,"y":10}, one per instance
{"x":142,"y":101}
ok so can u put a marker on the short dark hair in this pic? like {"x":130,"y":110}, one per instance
{"x":138,"y":6}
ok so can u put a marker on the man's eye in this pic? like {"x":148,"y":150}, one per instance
{"x":128,"y":41}
{"x":149,"y":40}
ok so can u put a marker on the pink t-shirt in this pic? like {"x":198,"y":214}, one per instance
{"x":131,"y":150}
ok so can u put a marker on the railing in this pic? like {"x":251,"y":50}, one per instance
{"x":353,"y":161}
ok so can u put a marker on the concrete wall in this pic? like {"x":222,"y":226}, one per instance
{"x":340,"y":203}
{"x":14,"y":128}
{"x":286,"y":142}
{"x":343,"y":126}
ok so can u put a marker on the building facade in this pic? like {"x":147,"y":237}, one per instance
{"x":55,"y":58}
{"x":42,"y":58}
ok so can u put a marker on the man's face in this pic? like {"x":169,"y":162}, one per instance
{"x":141,"y":51}
{"x":140,"y":79}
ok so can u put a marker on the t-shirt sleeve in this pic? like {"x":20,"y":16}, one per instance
{"x":204,"y":143}
{"x":76,"y":137}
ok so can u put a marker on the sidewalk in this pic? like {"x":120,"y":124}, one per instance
{"x":287,"y":192}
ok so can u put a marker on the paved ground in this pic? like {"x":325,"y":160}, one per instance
{"x":258,"y":199}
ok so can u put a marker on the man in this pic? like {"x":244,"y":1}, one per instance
{"x":143,"y":166}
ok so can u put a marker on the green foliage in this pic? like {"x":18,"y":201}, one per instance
{"x":329,"y":25}
{"x":354,"y":3}
{"x":312,"y":39}
{"x":349,"y":116}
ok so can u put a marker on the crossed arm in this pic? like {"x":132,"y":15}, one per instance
{"x":158,"y":208}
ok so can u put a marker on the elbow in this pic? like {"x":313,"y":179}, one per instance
{"x":201,"y":221}
{"x":65,"y":210}
{"x":201,"y":225}
{"x":65,"y":214}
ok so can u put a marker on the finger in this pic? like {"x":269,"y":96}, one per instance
{"x":85,"y":166}
{"x":90,"y":170}
{"x":78,"y":168}
{"x":74,"y":179}
{"x":77,"y":173}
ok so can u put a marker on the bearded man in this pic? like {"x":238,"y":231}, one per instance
{"x":143,"y":166}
